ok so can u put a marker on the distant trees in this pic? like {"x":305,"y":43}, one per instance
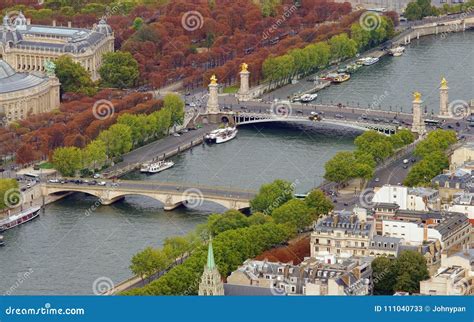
{"x":73,"y":77}
{"x":401,"y":274}
{"x":419,"y":9}
{"x":434,"y":159}
{"x":119,"y":69}
{"x":317,"y":201}
{"x":67,"y":160}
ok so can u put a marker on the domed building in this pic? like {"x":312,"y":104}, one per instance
{"x":27,"y":47}
{"x":24,"y":94}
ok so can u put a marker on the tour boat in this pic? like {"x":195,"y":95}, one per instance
{"x":397,"y":51}
{"x":330,"y":76}
{"x":156,"y":167}
{"x":221,"y":135}
{"x":341,"y":78}
{"x":18,"y":219}
{"x":306,"y":98}
{"x":367,"y":61}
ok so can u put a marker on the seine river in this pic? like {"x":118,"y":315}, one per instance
{"x":64,"y":251}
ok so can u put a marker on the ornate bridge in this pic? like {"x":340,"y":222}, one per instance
{"x":172,"y":195}
{"x":355,"y":123}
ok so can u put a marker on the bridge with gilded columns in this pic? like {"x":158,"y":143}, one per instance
{"x":172,"y":195}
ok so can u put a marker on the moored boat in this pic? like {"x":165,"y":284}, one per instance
{"x":156,"y":167}
{"x":1,"y":241}
{"x":221,"y":135}
{"x":367,"y":61}
{"x":397,"y":51}
{"x":18,"y":219}
{"x":341,"y":78}
{"x":306,"y":98}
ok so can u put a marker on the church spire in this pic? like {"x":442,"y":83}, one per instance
{"x":211,"y":281}
{"x":211,"y":264}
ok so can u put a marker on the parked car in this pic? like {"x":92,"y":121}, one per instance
{"x":102,"y":183}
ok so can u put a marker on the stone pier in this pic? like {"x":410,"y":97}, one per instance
{"x":418,"y":125}
{"x":444,"y":110}
{"x":244,"y":92}
{"x":213,"y":102}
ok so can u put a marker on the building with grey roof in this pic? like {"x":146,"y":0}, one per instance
{"x":311,"y":277}
{"x":384,"y":245}
{"x":27,"y":47}
{"x":23,"y":94}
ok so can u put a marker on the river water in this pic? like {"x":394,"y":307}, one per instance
{"x":64,"y":251}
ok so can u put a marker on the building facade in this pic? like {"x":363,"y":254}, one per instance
{"x":340,"y":235}
{"x":24,"y":94}
{"x":311,"y":277}
{"x":28,"y":47}
{"x":418,"y":199}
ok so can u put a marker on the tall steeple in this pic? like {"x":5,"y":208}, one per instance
{"x":211,"y":282}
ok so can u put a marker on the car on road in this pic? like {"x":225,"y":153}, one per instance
{"x":364,"y":116}
{"x":102,"y":183}
{"x":405,"y":166}
{"x":176,"y":134}
{"x":53,"y":180}
{"x":114,"y":184}
{"x":192,"y":104}
{"x":395,"y":122}
{"x":97,"y":176}
{"x":339,"y":116}
{"x":413,"y":160}
{"x":405,"y":161}
{"x":314,"y":113}
{"x":377,"y":179}
{"x":92,"y":183}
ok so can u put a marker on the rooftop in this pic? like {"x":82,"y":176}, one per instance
{"x":10,"y":81}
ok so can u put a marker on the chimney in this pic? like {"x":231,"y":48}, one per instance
{"x":286,"y":271}
{"x":54,"y":22}
{"x":69,"y":24}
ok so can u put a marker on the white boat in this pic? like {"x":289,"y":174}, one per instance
{"x":18,"y":219}
{"x":1,"y":241}
{"x":308,"y":97}
{"x":156,"y":167}
{"x":221,"y":135}
{"x":397,"y":51}
{"x":367,"y":61}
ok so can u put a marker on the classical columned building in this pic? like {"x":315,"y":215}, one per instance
{"x":23,"y":94}
{"x":28,"y":47}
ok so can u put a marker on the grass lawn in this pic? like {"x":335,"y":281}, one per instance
{"x":231,"y":90}
{"x":46,"y":165}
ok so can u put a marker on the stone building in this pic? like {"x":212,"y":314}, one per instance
{"x":311,"y":277}
{"x":454,"y":277}
{"x":28,"y":47}
{"x":211,"y":281}
{"x":23,"y":94}
{"x":340,"y":235}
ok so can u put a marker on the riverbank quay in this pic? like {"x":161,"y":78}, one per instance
{"x":158,"y":150}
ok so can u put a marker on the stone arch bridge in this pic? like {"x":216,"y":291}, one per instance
{"x":172,"y":195}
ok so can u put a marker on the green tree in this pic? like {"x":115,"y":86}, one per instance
{"x":271,"y":196}
{"x":117,"y":139}
{"x":411,"y":269}
{"x":342,"y":47}
{"x":137,"y":23}
{"x":119,"y":69}
{"x":294,"y":212}
{"x":340,"y":168}
{"x":175,"y":105}
{"x":73,"y":77}
{"x":383,"y":275}
{"x":67,"y":160}
{"x":9,"y":193}
{"x":317,"y":201}
{"x":413,"y":11}
{"x":148,"y":262}
{"x":375,"y":144}
{"x":94,"y":154}
{"x":231,"y":219}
